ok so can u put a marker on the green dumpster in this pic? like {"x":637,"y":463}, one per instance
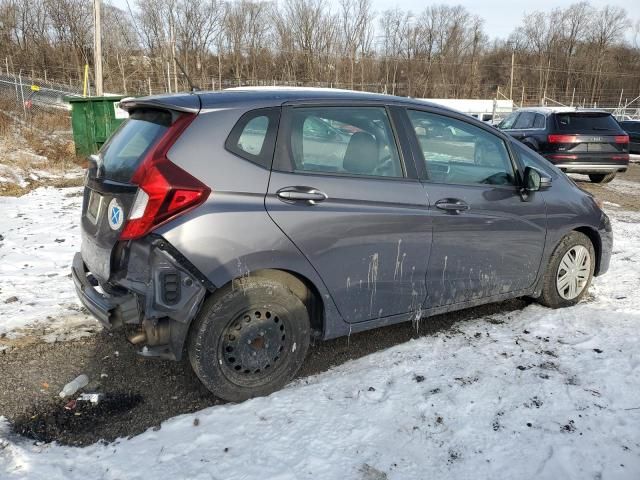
{"x":93,"y":120}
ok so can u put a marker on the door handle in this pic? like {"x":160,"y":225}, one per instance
{"x":301,"y":194}
{"x":452,"y":205}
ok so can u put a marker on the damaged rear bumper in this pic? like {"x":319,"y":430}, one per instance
{"x":153,"y":289}
{"x":111,"y":311}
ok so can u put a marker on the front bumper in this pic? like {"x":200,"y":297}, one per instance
{"x":111,"y":311}
{"x":605,"y":232}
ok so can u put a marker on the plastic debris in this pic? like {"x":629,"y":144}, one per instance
{"x":74,"y":385}
{"x":94,"y":398}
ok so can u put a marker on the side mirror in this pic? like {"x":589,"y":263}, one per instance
{"x":535,"y":180}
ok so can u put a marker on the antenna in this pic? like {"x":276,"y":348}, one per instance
{"x":191,"y":85}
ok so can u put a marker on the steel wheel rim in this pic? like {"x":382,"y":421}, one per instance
{"x":573,"y":272}
{"x":253,"y":346}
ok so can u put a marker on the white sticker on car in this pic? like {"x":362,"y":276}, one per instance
{"x":116,"y":214}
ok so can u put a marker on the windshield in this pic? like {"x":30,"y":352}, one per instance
{"x":122,"y":154}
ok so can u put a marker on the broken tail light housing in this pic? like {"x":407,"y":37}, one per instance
{"x":165,"y":191}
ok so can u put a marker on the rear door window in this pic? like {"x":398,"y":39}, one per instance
{"x":344,"y":140}
{"x":122,"y":154}
{"x":585,"y":122}
{"x":538,"y":121}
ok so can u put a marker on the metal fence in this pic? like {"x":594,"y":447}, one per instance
{"x":32,"y":96}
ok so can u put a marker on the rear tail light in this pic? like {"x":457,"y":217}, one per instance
{"x":562,"y":139}
{"x":623,"y":158}
{"x":622,"y":138}
{"x":165,"y":191}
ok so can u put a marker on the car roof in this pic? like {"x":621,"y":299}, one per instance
{"x":194,"y":101}
{"x":550,"y":110}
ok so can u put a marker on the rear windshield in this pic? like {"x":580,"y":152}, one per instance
{"x":129,"y":144}
{"x":582,"y":122}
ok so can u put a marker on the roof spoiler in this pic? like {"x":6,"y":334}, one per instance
{"x":183,"y":102}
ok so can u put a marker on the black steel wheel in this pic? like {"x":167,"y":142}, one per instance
{"x":249,"y":339}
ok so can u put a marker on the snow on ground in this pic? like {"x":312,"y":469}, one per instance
{"x":624,"y":186}
{"x":536,"y":393}
{"x":38,"y":237}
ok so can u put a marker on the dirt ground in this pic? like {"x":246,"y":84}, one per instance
{"x":624,"y":191}
{"x":141,"y":393}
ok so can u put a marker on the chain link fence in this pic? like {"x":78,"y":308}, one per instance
{"x":32,"y":96}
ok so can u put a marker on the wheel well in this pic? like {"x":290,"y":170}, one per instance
{"x":302,"y":288}
{"x":596,"y":242}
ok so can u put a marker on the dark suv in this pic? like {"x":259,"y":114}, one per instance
{"x":235,"y":226}
{"x":632,"y":127}
{"x":576,"y":141}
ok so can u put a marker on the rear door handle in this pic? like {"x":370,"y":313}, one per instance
{"x":452,"y":205}
{"x":301,"y":194}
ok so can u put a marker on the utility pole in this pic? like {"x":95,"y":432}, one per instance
{"x":97,"y":46}
{"x":173,"y":56}
{"x":513,"y":56}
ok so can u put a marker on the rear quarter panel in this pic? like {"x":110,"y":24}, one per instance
{"x":231,"y":234}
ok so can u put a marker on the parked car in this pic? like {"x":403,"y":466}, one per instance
{"x":632,"y":127}
{"x":576,"y":141}
{"x":215,"y":227}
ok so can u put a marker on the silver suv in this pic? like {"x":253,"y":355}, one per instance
{"x":234,"y":226}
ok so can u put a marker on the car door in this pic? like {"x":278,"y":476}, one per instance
{"x":353,"y":206}
{"x":487,"y":239}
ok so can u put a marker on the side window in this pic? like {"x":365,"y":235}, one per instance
{"x":253,"y":137}
{"x":344,"y":140}
{"x":457,"y":152}
{"x":525,"y":120}
{"x":508,"y":122}
{"x":538,"y":121}
{"x":529,"y":158}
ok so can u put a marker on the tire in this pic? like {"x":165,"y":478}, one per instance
{"x":572,"y":245}
{"x":601,"y":177}
{"x":249,"y":339}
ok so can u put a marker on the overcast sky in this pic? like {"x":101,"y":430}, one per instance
{"x":500,"y":16}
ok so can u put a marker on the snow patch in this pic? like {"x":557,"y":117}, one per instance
{"x":534,"y":393}
{"x":39,"y":234}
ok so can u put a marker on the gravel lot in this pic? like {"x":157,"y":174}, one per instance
{"x":33,"y":372}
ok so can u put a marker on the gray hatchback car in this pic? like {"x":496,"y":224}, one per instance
{"x":234,"y":226}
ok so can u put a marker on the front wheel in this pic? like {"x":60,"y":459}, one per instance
{"x":569,"y":272}
{"x":601,"y":177}
{"x":249,"y":339}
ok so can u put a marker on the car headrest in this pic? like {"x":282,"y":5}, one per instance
{"x":361,"y":155}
